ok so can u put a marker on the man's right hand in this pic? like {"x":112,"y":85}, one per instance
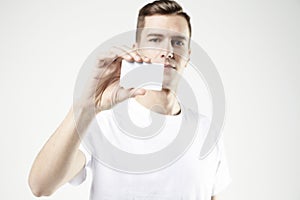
{"x":104,"y":90}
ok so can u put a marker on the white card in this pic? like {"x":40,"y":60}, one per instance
{"x":142,"y":75}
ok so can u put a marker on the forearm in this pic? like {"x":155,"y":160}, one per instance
{"x":58,"y":156}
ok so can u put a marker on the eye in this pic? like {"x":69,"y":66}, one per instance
{"x":154,"y":40}
{"x":178,"y":43}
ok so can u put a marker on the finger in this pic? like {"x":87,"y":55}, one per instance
{"x":146,"y":59}
{"x":121,"y":53}
{"x":132,"y":53}
{"x":110,"y":68}
{"x":105,"y":59}
{"x":128,"y":57}
{"x":129,"y":54}
{"x":135,"y":92}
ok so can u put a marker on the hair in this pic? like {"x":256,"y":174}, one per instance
{"x":160,"y":7}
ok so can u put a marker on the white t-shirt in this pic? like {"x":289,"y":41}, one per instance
{"x":188,"y":178}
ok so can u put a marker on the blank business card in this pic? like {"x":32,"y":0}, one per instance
{"x":142,"y":75}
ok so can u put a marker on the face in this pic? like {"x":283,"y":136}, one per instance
{"x":165,"y":39}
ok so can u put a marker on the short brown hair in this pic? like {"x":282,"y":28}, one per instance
{"x":162,"y":7}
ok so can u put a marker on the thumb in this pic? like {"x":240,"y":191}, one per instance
{"x":135,"y":92}
{"x":124,"y":94}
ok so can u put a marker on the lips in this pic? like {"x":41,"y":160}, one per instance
{"x":167,"y":65}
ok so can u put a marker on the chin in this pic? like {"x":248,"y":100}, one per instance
{"x":169,"y":86}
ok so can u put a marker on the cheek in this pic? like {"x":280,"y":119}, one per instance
{"x":152,"y":54}
{"x":181,"y":61}
{"x":181,"y":67}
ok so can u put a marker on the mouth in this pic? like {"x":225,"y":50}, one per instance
{"x":167,"y":65}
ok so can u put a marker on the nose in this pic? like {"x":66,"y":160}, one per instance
{"x":168,"y":52}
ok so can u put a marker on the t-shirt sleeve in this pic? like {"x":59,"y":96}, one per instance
{"x":222,"y":177}
{"x":81,"y":176}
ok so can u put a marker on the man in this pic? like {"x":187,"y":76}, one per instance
{"x":60,"y":160}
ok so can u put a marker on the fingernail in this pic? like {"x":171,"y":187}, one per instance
{"x":137,"y":58}
{"x":147,"y":59}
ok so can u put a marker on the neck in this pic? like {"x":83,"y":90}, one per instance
{"x":163,"y":102}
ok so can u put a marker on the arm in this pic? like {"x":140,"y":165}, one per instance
{"x":60,"y":159}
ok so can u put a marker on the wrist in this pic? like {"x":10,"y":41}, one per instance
{"x":82,"y":116}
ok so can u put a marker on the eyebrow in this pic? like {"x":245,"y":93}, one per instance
{"x":180,"y":37}
{"x":155,"y":34}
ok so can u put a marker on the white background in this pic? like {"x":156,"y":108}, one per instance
{"x":254,"y":44}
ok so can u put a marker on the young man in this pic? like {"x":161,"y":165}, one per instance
{"x":60,"y":160}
